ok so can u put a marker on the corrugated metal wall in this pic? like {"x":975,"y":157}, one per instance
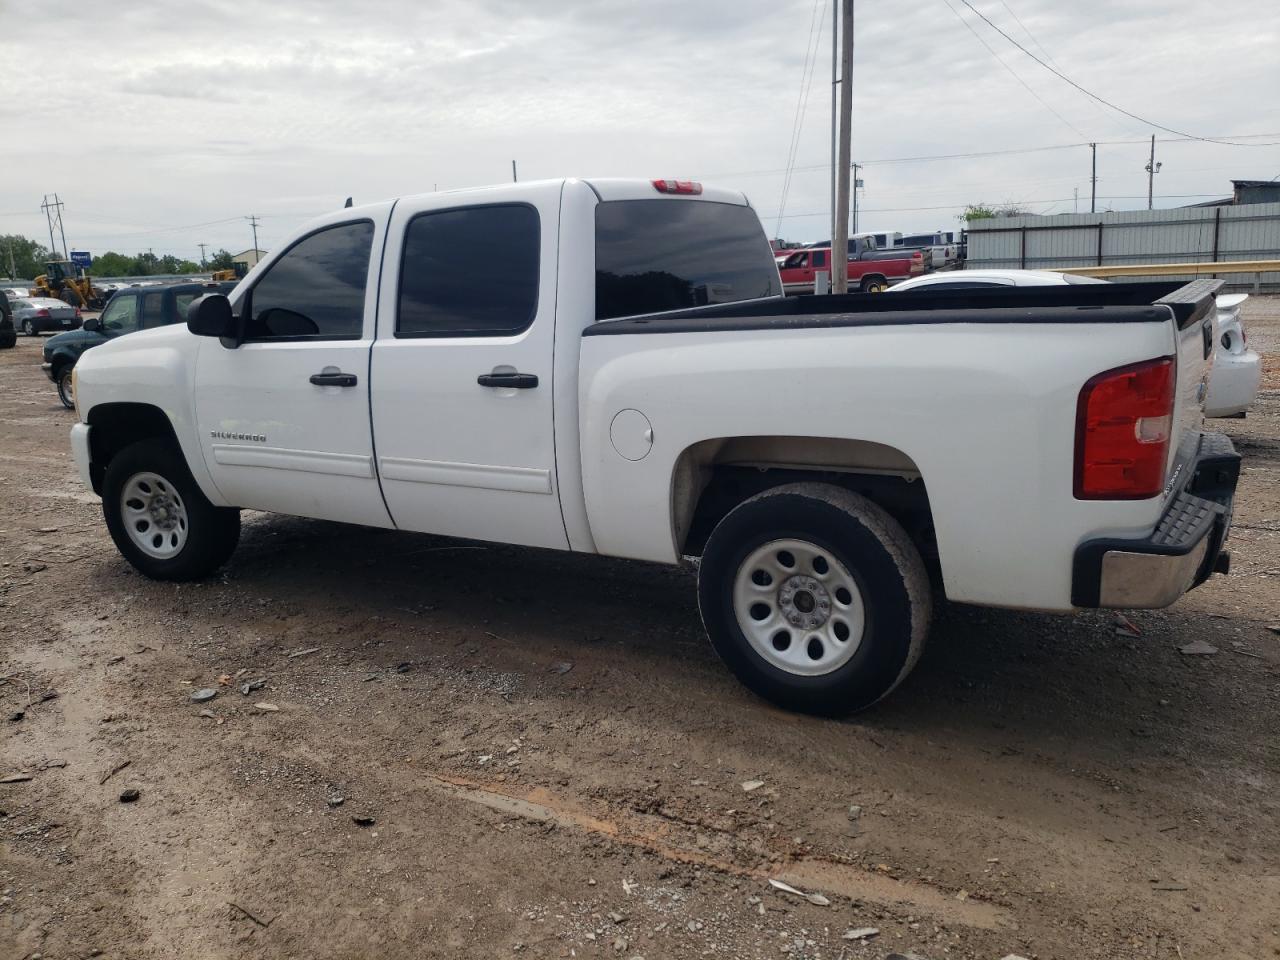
{"x":1182,"y":235}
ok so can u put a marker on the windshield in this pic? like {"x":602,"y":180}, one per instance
{"x":654,"y":255}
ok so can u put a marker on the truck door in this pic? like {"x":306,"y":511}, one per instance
{"x":462,"y":367}
{"x":284,"y":417}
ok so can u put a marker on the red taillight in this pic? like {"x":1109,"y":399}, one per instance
{"x":1123,"y":423}
{"x":77,"y":313}
{"x":691,"y":187}
{"x":42,"y":312}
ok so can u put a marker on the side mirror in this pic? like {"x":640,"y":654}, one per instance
{"x":211,"y":316}
{"x":93,"y":325}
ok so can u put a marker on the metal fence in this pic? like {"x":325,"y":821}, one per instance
{"x":1181,"y":235}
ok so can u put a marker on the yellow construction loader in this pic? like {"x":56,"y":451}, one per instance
{"x":63,"y":281}
{"x":237,"y":272}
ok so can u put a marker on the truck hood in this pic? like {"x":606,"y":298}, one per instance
{"x":75,"y":340}
{"x":174,"y":335}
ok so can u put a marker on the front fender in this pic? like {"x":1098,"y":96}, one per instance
{"x":155,"y":368}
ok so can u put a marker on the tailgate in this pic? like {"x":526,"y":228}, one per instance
{"x":1193,"y":307}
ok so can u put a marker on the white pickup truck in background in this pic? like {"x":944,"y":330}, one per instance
{"x":631,"y":382}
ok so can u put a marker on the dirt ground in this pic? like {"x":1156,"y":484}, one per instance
{"x":553,"y":763}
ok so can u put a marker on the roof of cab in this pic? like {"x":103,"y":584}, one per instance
{"x":605,"y":188}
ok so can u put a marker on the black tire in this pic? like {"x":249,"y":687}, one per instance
{"x":65,"y":392}
{"x":29,"y":328}
{"x":872,"y":547}
{"x":70,"y":297}
{"x":8,"y":336}
{"x":874,"y":285}
{"x":212,"y":533}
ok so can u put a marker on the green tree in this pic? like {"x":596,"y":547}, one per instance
{"x":221,"y":260}
{"x":28,"y":257}
{"x":977,"y":211}
{"x":985,"y":211}
{"x":112,"y":264}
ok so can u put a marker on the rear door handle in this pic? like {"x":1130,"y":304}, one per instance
{"x":328,"y":379}
{"x":520,"y":381}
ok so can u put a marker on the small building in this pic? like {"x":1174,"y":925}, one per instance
{"x":249,"y":258}
{"x":1256,"y":191}
{"x":1247,"y":191}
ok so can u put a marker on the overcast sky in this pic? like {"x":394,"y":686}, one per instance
{"x":152,"y":121}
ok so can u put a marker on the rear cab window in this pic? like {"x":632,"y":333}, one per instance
{"x":662,"y":254}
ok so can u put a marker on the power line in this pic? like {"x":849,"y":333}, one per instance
{"x":1030,"y":36}
{"x":1012,"y":72}
{"x":807,"y":72}
{"x":1102,"y":100}
{"x":996,"y":153}
{"x":957,"y":206}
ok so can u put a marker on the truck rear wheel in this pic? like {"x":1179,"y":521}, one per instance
{"x":874,"y":285}
{"x":815,"y":597}
{"x":160,"y":520}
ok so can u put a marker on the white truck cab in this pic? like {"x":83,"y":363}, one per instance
{"x":609,"y":366}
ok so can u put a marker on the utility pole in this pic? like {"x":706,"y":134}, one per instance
{"x":253,"y":222}
{"x":202,"y":261}
{"x":1075,"y":202}
{"x":840,"y":240}
{"x":1093,"y":180}
{"x":1152,"y":169}
{"x":53,"y":212}
{"x":835,"y":131}
{"x":514,"y":178}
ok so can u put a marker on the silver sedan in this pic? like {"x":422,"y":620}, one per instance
{"x":37,"y":314}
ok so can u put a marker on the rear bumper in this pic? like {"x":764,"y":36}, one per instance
{"x":1181,"y":553}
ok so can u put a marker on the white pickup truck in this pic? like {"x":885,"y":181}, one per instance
{"x":609,"y":366}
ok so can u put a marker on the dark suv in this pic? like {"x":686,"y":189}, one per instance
{"x":129,"y":310}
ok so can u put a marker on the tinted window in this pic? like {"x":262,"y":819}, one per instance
{"x":183,"y":300}
{"x":316,"y":289}
{"x":654,"y":255}
{"x":820,"y":258}
{"x":959,"y":285}
{"x":469,"y":273}
{"x":121,"y":315}
{"x":153,"y":314}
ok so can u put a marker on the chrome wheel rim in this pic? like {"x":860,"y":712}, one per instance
{"x":154,"y":515}
{"x":66,"y":390}
{"x":799,"y":607}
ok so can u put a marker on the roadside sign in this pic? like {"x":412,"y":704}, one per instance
{"x":82,"y":258}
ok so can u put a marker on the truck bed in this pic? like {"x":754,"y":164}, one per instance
{"x":1077,"y":303}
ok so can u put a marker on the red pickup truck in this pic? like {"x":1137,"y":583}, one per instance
{"x":870,"y":270}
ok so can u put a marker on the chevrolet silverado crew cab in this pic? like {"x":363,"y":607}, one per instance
{"x":632,"y":382}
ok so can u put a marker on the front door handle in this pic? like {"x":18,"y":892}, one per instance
{"x":333,"y":379}
{"x":520,"y":381}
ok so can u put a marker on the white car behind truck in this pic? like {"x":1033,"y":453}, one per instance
{"x":632,"y":383}
{"x":1236,"y":370}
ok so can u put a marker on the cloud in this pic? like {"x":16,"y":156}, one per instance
{"x":283,"y":109}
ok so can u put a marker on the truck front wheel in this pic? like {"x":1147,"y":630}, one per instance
{"x":158,"y":517}
{"x":815,"y":597}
